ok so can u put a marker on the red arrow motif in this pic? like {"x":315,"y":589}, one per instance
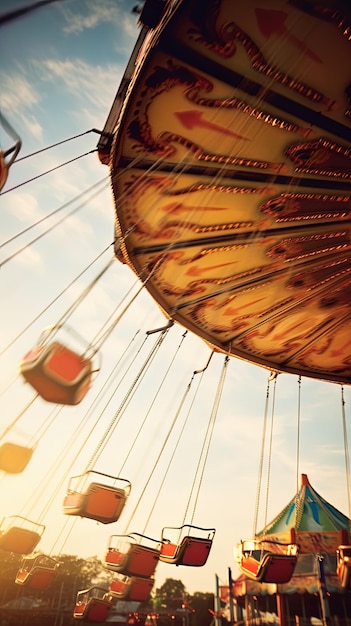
{"x":193,"y":119}
{"x":272,"y":22}
{"x":197,"y":271}
{"x":230,"y":311}
{"x":176,"y":207}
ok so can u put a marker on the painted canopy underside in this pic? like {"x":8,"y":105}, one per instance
{"x":231,"y":171}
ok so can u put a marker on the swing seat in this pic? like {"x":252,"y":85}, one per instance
{"x":37,"y":572}
{"x":101,"y":502}
{"x":268,"y":566}
{"x":130,"y":557}
{"x":192,"y":550}
{"x":131,"y":588}
{"x":92,"y":605}
{"x":343,"y":566}
{"x":14,"y":458}
{"x":20,"y":539}
{"x":273,"y":568}
{"x":57,"y":373}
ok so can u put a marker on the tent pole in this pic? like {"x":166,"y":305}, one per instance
{"x":217,"y":605}
{"x":322,"y":590}
{"x":280,"y":608}
{"x":247,"y":610}
{"x":231,"y":601}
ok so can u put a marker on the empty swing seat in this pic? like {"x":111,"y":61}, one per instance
{"x":99,"y":501}
{"x":21,"y":538}
{"x":343,"y":566}
{"x":268,"y":566}
{"x":92,"y":605}
{"x":37,"y":572}
{"x":191,"y":549}
{"x":57,"y":373}
{"x":131,"y":588}
{"x":129,"y":554}
{"x":14,"y":458}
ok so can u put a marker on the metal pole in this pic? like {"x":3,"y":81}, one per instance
{"x":217,"y":605}
{"x":322,"y":590}
{"x":231,"y":600}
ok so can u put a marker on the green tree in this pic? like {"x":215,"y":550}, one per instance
{"x":170,"y":595}
{"x":73,"y":575}
{"x":9,"y":564}
{"x":202,"y":604}
{"x":76,"y":574}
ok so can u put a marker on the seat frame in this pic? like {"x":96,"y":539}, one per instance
{"x":77,"y":500}
{"x":130,"y":554}
{"x":191,"y":548}
{"x":271,"y":566}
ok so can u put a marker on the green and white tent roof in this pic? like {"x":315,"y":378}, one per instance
{"x":318,"y":525}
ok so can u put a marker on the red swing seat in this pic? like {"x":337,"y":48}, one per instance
{"x":92,"y":605}
{"x":262,"y":565}
{"x":127,"y":555}
{"x":191,"y":549}
{"x":131,"y":588}
{"x":37,"y":572}
{"x":57,"y":373}
{"x":343,"y":566}
{"x":99,"y":501}
{"x":14,"y":458}
{"x":21,"y":538}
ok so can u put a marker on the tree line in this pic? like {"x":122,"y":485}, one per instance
{"x":53,"y":606}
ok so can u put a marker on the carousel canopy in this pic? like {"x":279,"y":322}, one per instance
{"x":319,"y":526}
{"x":231,"y":166}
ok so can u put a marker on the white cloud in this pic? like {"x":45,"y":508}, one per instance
{"x":96,"y":13}
{"x":17,"y":91}
{"x":24,"y":206}
{"x":18,"y":98}
{"x":89,"y":84}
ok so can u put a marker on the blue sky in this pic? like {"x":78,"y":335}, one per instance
{"x":60,"y":69}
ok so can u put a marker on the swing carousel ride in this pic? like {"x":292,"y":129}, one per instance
{"x":227,"y":148}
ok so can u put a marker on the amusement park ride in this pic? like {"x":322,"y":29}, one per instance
{"x":228,"y":145}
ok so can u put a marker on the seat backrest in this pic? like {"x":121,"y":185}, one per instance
{"x":97,"y":610}
{"x":103,"y":502}
{"x":139,"y":589}
{"x":141,"y":561}
{"x":65,"y":365}
{"x":14,"y":458}
{"x":41,"y":578}
{"x":277,"y":568}
{"x":194,"y":551}
{"x":19,"y":540}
